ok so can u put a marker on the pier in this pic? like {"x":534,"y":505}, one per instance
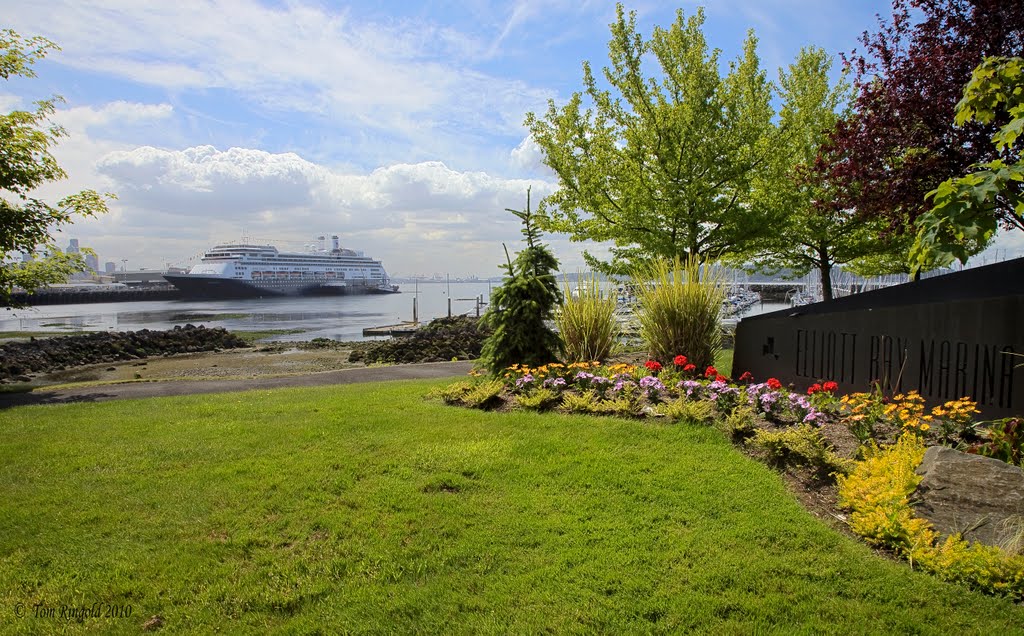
{"x":81,"y":295}
{"x":402,"y":329}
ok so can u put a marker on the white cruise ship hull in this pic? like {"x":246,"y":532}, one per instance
{"x":203,"y":287}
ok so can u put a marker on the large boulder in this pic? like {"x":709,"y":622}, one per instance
{"x":979,"y":497}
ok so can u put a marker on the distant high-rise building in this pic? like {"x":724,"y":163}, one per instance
{"x":92,"y":262}
{"x":26,"y":257}
{"x":73,"y":247}
{"x":109,"y":267}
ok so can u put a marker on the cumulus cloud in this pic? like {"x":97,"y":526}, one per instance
{"x":410,"y":214}
{"x":528,"y":156}
{"x":204,"y":182}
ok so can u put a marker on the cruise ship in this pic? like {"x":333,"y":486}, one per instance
{"x":254,"y":271}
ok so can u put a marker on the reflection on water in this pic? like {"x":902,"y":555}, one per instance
{"x":336,"y":317}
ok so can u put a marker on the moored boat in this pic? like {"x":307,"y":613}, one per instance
{"x":250,"y":271}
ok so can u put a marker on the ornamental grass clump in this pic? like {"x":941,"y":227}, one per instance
{"x":586,"y":322}
{"x":679,"y":307}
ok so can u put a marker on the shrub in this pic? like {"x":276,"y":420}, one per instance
{"x":627,"y":404}
{"x":485,"y":395}
{"x":454,"y":393}
{"x":679,"y":310}
{"x":586,"y":402}
{"x":691,"y":411}
{"x":586,"y":322}
{"x":797,"y":446}
{"x":740,"y":424}
{"x":538,"y":400}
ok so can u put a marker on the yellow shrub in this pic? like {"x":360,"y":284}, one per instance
{"x":877,"y":493}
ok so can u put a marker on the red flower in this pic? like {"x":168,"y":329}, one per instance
{"x":830,"y":387}
{"x":710,"y":372}
{"x":746,"y":377}
{"x":773,"y":384}
{"x":690,"y":368}
{"x":814,"y":388}
{"x":680,"y":361}
{"x":653,"y":366}
{"x":721,"y":378}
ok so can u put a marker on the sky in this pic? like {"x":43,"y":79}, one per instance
{"x":397,"y":125}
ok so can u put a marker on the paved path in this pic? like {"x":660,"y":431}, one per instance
{"x":186,"y":387}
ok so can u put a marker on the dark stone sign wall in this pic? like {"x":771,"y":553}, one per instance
{"x":947,"y":337}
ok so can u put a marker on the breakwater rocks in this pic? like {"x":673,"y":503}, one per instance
{"x":17,"y":359}
{"x":459,"y":337}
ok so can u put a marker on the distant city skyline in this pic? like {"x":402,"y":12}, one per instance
{"x":397,"y":125}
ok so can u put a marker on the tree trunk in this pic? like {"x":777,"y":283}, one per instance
{"x":825,"y":269}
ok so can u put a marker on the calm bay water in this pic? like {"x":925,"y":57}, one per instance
{"x":337,"y":317}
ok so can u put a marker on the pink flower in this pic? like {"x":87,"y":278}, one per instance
{"x":680,"y":361}
{"x":653,"y":366}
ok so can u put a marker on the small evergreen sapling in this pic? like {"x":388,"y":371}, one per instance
{"x":523,"y":307}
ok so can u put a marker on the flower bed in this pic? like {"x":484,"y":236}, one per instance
{"x":815,"y":436}
{"x":649,"y":387}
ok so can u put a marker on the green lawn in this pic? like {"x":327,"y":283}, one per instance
{"x":363,"y":508}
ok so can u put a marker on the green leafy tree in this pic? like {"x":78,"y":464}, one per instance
{"x":523,"y":307}
{"x":662,"y":167}
{"x":817,"y":233}
{"x":968,"y":210}
{"x":26,"y":138}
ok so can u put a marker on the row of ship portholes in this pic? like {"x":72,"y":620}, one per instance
{"x":295,"y":275}
{"x":300,"y":275}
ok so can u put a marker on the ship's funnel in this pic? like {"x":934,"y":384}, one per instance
{"x":321,"y":243}
{"x":335,"y":243}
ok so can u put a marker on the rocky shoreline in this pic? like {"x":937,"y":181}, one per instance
{"x":84,"y":357}
{"x":443,"y":339}
{"x":43,"y":355}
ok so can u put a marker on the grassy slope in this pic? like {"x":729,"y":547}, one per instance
{"x":362,"y":507}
